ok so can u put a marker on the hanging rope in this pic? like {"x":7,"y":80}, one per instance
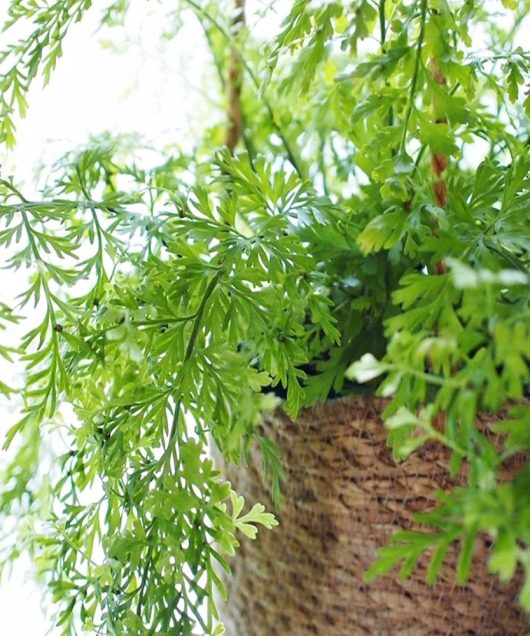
{"x":234,"y":84}
{"x":439,"y":160}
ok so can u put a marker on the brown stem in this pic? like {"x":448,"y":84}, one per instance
{"x":439,"y":161}
{"x":234,"y":84}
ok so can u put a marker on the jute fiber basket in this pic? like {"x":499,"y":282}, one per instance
{"x":343,"y":498}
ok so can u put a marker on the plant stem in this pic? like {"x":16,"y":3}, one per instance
{"x":382,"y":28}
{"x":382,"y":23}
{"x":415,"y":75}
{"x":189,"y":351}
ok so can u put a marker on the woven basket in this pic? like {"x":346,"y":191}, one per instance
{"x":343,"y":497}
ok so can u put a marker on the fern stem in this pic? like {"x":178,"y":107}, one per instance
{"x":414,"y":81}
{"x":382,"y":23}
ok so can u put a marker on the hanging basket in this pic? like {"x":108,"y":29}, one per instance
{"x":343,"y":497}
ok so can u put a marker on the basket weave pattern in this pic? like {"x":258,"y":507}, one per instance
{"x":343,"y":497}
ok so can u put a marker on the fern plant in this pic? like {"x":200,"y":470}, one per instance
{"x":358,"y":222}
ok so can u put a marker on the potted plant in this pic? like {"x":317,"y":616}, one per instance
{"x":357,"y":251}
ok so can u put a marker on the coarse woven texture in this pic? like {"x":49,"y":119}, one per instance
{"x":343,"y":497}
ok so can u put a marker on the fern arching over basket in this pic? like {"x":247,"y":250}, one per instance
{"x":357,"y":224}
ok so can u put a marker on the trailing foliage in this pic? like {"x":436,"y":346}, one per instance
{"x":363,"y":240}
